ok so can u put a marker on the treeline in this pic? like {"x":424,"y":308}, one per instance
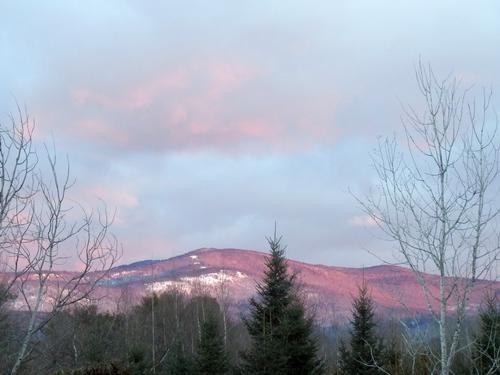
{"x":175,"y":333}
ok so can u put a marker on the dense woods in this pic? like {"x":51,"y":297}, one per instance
{"x":437,"y":204}
{"x":147,"y":148}
{"x":179,"y":333}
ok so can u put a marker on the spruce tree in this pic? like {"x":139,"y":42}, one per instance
{"x":487,"y":348}
{"x":178,"y":363}
{"x":6,"y":330}
{"x":364,"y":357}
{"x":211,"y":357}
{"x":281,"y":332}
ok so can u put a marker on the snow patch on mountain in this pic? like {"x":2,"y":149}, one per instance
{"x":188,"y":283}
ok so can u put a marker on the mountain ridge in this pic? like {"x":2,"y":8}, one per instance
{"x":329,"y":289}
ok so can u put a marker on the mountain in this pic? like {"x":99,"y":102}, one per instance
{"x":233,"y":273}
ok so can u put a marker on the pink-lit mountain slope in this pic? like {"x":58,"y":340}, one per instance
{"x":234,"y":273}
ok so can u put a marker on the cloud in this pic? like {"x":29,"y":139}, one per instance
{"x":211,"y":105}
{"x":362,"y":221}
{"x":204,"y":124}
{"x":116,"y":196}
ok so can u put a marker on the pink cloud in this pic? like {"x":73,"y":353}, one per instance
{"x":99,"y":129}
{"x":222,"y":78}
{"x":362,"y":221}
{"x":228,"y":77}
{"x":118,"y":199}
{"x":202,"y":105}
{"x":114,"y":195}
{"x":257,"y":128}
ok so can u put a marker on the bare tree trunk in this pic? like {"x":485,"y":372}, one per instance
{"x":29,"y":334}
{"x":222,"y":295}
{"x":153,"y":341}
{"x":75,"y":351}
{"x":437,"y":202}
{"x":442,"y":326}
{"x":34,"y":229}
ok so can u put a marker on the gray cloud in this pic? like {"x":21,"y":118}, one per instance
{"x":203,"y":122}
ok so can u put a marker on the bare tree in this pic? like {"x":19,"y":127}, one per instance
{"x":38,"y":226}
{"x":223,"y":298}
{"x":437,"y":199}
{"x":18,"y":186}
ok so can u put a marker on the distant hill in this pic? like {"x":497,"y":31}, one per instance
{"x":234,"y":272}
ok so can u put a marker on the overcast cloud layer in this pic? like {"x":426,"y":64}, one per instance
{"x":203,"y":122}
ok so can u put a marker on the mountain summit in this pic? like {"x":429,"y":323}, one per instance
{"x":232,"y":274}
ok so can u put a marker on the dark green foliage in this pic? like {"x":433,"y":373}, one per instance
{"x":87,"y":341}
{"x":136,"y":360}
{"x":5,"y":296}
{"x":108,"y":369}
{"x":364,"y":357}
{"x":393,"y":357}
{"x":487,"y":348}
{"x":178,"y":363}
{"x":7,"y":332}
{"x":211,"y":356}
{"x":95,"y":335}
{"x":84,"y":338}
{"x":177,"y":324}
{"x":280,"y":332}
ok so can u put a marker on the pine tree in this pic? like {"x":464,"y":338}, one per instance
{"x":281,"y":333}
{"x":487,"y":346}
{"x":211,"y":358}
{"x":6,"y":330}
{"x":364,"y":357}
{"x":177,"y":361}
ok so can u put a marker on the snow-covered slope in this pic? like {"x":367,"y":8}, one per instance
{"x":233,"y":273}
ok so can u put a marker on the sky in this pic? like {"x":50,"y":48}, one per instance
{"x":204,"y":122}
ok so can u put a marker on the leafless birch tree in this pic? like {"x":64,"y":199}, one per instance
{"x":436,"y":198}
{"x":223,"y":298}
{"x":40,"y":229}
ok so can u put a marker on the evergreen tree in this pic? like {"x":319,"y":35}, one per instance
{"x":211,"y":359}
{"x":5,"y":298}
{"x":281,"y":334}
{"x":487,"y":346}
{"x":7,"y":332}
{"x":177,"y":362}
{"x":364,"y":357}
{"x":136,"y":359}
